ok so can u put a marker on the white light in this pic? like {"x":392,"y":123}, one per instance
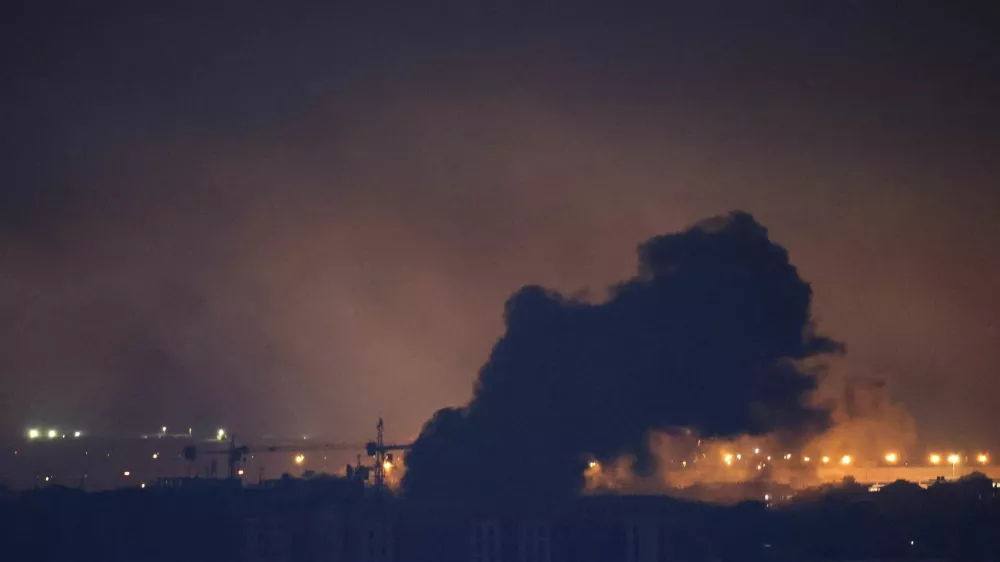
{"x":220,"y":434}
{"x":756,"y":451}
{"x":143,"y":485}
{"x":739,"y":457}
{"x":47,"y":478}
{"x":77,"y":433}
{"x":127,"y":473}
{"x":239,"y":472}
{"x":52,"y":434}
{"x":163,"y":429}
{"x":156,"y":456}
{"x":767,"y":497}
{"x":34,"y":433}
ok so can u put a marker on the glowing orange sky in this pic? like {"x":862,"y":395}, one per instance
{"x":271,"y":226}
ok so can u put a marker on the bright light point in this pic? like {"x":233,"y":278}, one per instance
{"x":769,"y":457}
{"x":756,"y":451}
{"x":156,"y":456}
{"x":684,"y":463}
{"x":805,"y":459}
{"x":163,"y":429}
{"x":143,"y":485}
{"x":239,"y":472}
{"x":52,"y":433}
{"x":47,"y":478}
{"x":935,"y":459}
{"x":891,"y":458}
{"x":592,"y":464}
{"x":953,"y":458}
{"x":34,"y":434}
{"x":825,"y":460}
{"x":387,"y":465}
{"x":127,"y":473}
{"x":739,"y":457}
{"x":299,"y":459}
{"x":220,"y":434}
{"x":982,"y":458}
{"x":845,"y":460}
{"x":77,"y":433}
{"x":788,"y":456}
{"x":728,"y":458}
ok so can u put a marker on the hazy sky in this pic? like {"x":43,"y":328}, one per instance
{"x":295,"y":222}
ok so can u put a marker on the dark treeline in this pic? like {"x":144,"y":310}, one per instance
{"x":329,"y":519}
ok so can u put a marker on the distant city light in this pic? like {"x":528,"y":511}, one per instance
{"x":156,"y":456}
{"x":34,"y":433}
{"x":935,"y":459}
{"x":143,"y":485}
{"x":825,"y":460}
{"x":163,"y":429}
{"x":300,"y":458}
{"x":220,"y":434}
{"x":788,"y":456}
{"x":756,"y":451}
{"x":127,"y":473}
{"x":47,"y":478}
{"x":983,"y":458}
{"x":739,"y":457}
{"x":728,"y":458}
{"x":52,"y":434}
{"x":592,"y":464}
{"x":684,"y":463}
{"x":953,"y":458}
{"x":387,"y":465}
{"x":77,"y":433}
{"x":891,"y":458}
{"x":805,"y":459}
{"x":239,"y":472}
{"x":846,"y":460}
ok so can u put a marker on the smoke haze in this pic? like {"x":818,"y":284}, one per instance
{"x":240,"y":216}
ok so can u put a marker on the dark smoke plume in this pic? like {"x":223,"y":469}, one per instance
{"x":706,"y":337}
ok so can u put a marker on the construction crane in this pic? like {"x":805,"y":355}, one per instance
{"x":236,"y":455}
{"x":383,"y":458}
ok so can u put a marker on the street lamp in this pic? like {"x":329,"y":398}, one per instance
{"x":953,"y":459}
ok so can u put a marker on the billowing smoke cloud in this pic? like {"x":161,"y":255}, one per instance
{"x":707,"y":336}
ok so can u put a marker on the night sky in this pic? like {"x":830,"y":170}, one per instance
{"x":293,"y":222}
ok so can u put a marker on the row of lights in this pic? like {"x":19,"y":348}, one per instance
{"x":891,"y":458}
{"x":35,"y":433}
